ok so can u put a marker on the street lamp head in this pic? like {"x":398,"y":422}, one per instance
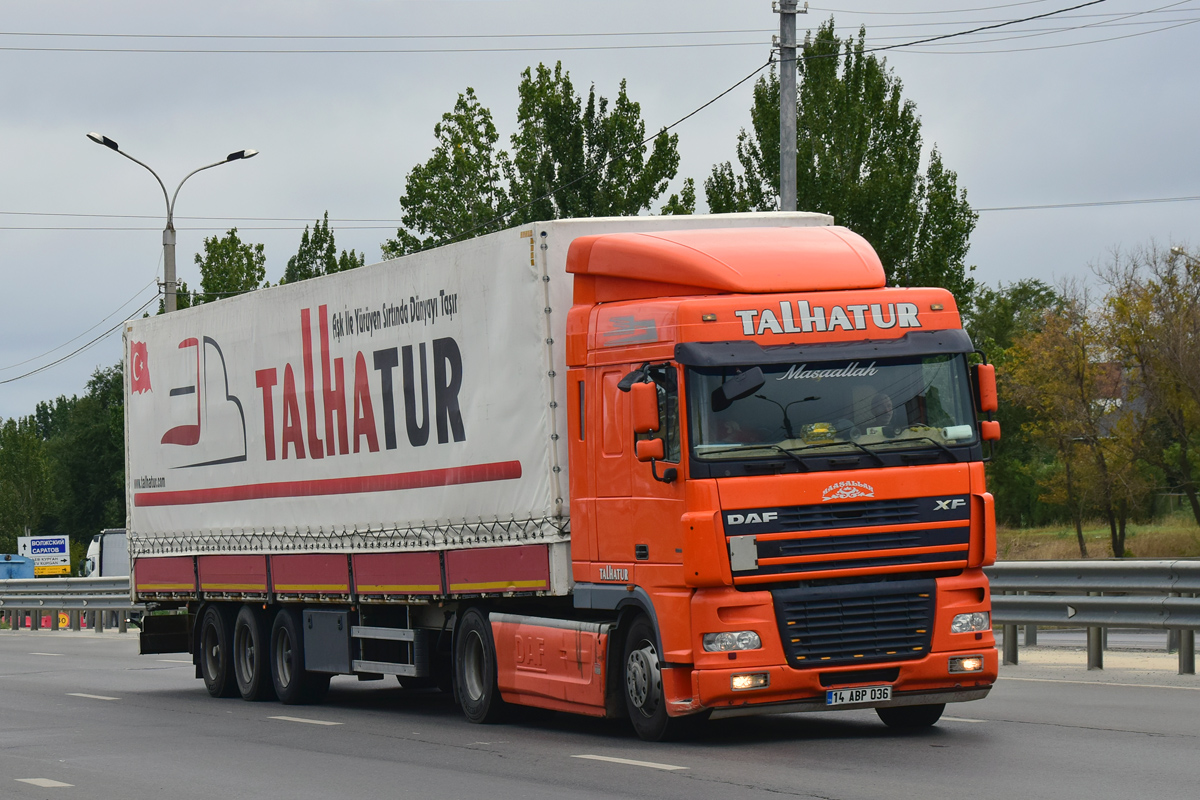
{"x":100,"y":138}
{"x":1177,"y":250}
{"x":241,"y":154}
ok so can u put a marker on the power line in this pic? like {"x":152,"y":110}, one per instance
{"x":382,"y":36}
{"x":79,"y":350}
{"x":921,"y":13}
{"x":1091,"y":204}
{"x":86,"y":332}
{"x":1049,"y":46}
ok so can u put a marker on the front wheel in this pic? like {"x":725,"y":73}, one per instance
{"x":475,"y":669}
{"x":645,"y":700}
{"x":911,"y":717}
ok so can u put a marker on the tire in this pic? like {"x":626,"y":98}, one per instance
{"x":216,"y":658}
{"x":475,"y":669}
{"x":294,"y":685}
{"x":251,"y":663}
{"x":642,"y":688}
{"x":911,"y":717}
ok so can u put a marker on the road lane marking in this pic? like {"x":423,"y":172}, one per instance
{"x":308,"y":721}
{"x":1105,"y":683}
{"x":962,"y":719}
{"x":44,"y":783}
{"x":91,"y":696}
{"x":173,"y":661}
{"x":631,"y":762}
{"x":45,"y":654}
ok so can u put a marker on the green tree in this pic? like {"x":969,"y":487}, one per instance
{"x":318,"y":255}
{"x":569,"y":158}
{"x":25,"y":494}
{"x":229,"y":266}
{"x":460,"y":188}
{"x":576,"y":159}
{"x":858,"y":158}
{"x":1021,"y":465}
{"x":85,"y":445}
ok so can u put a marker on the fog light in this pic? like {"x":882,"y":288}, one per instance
{"x":968,"y":623}
{"x":966,"y":664}
{"x":735,"y":640}
{"x":753,"y":680}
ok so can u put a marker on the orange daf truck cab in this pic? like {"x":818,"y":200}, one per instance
{"x":776,"y":478}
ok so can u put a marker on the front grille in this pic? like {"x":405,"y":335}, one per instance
{"x":850,"y":515}
{"x":855,"y":623}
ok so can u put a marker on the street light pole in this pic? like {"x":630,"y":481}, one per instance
{"x":169,"y":230}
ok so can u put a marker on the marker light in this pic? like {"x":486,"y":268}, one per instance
{"x":736,"y":640}
{"x":753,"y":680}
{"x":966,"y":664}
{"x":968,"y":623}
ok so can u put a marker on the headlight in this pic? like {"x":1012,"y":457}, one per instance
{"x":736,"y":640}
{"x":967,"y":623}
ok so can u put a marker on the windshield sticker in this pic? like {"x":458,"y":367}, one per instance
{"x":851,"y":370}
{"x":847,"y":490}
{"x":849,"y":318}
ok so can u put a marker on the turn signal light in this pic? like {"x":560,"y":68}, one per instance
{"x":752,"y":680}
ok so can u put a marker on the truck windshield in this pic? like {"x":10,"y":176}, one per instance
{"x":826,"y":408}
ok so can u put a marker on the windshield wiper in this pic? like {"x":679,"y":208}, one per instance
{"x":760,"y":446}
{"x":933,"y":442}
{"x":866,"y":450}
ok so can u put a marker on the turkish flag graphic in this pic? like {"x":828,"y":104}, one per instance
{"x":139,"y":368}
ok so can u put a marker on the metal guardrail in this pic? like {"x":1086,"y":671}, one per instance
{"x":1098,"y":595}
{"x":97,"y":598}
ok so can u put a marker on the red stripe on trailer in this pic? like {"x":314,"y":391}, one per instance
{"x":393,"y":482}
{"x":498,"y":569}
{"x":310,"y":573}
{"x":398,"y":573}
{"x":233,"y":573}
{"x":166,"y":574}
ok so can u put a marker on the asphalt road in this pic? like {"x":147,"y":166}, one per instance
{"x":83,"y":709}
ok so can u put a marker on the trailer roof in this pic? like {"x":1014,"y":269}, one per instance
{"x":728,"y":260}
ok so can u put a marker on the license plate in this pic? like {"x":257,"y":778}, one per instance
{"x":860,"y":694}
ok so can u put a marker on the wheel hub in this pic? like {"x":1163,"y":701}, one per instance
{"x":642,"y":677}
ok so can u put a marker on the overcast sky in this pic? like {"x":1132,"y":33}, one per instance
{"x":1096,"y":105}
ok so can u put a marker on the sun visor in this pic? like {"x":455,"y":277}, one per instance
{"x":729,"y":354}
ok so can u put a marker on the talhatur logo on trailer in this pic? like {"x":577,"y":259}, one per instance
{"x":847,"y":490}
{"x":139,"y":368}
{"x":211,"y":424}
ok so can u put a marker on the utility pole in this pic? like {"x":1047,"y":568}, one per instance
{"x":787,"y":102}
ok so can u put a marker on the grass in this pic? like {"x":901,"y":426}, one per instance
{"x":1177,"y":536}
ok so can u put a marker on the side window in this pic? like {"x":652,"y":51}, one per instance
{"x":666,"y":380}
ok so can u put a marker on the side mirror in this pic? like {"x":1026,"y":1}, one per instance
{"x":989,"y":430}
{"x":649,"y":449}
{"x":985,"y":387}
{"x":741,"y":385}
{"x":644,"y":397}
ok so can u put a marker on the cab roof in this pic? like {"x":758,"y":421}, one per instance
{"x":627,"y":266}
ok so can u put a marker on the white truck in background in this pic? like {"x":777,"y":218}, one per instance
{"x":107,"y":555}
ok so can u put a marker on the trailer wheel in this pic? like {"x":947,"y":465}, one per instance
{"x":475,"y":669}
{"x":911,"y":717}
{"x":251,"y":664}
{"x":216,"y":662}
{"x":645,"y":700}
{"x":294,"y":685}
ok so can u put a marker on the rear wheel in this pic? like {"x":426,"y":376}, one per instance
{"x":911,"y":717}
{"x":216,"y":662}
{"x":475,"y":669}
{"x":251,"y":666}
{"x":294,"y":685}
